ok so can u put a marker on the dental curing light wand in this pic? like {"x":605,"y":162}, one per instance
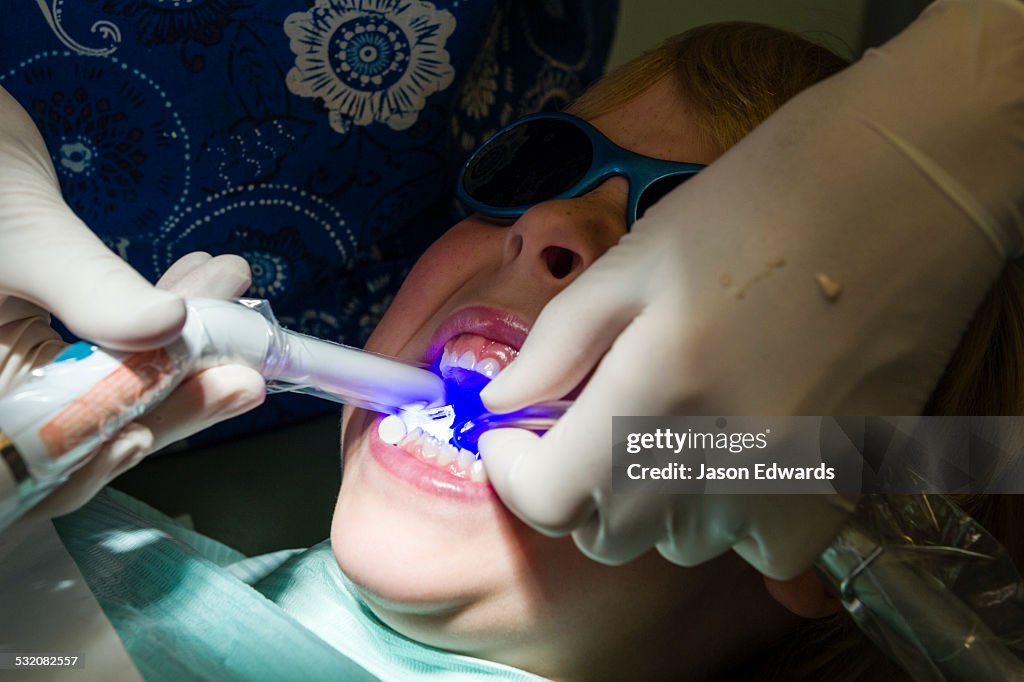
{"x":54,"y":420}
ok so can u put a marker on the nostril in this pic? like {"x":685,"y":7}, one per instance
{"x":561,"y":262}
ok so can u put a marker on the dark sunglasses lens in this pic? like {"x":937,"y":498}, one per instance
{"x":532,"y":162}
{"x":658,"y":189}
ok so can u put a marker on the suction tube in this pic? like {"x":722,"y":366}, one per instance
{"x":53,"y":421}
{"x":931,"y":587}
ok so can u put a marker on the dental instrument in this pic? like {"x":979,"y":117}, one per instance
{"x":53,"y":421}
{"x":931,"y":588}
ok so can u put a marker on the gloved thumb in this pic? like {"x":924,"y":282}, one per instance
{"x":516,"y":461}
{"x":49,"y":257}
{"x":561,"y":482}
{"x":573,"y":332}
{"x":65,"y":269}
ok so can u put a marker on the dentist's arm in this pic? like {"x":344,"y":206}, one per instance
{"x":50,"y":262}
{"x":899,"y":180}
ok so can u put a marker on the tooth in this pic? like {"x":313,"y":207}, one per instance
{"x":466,"y":361}
{"x":407,"y":441}
{"x":477,"y":472}
{"x":466,"y":458}
{"x":446,"y":454}
{"x":429,"y":451}
{"x":412,"y":443}
{"x":489,"y":367}
{"x":446,"y":361}
{"x":391,"y":429}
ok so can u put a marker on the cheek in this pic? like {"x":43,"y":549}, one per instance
{"x":465,"y":250}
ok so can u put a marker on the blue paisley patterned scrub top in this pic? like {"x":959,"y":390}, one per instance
{"x":318,"y":139}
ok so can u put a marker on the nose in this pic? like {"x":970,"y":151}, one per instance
{"x":557,"y":240}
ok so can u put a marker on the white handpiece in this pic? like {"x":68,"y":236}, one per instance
{"x":246,"y":333}
{"x":52,"y":422}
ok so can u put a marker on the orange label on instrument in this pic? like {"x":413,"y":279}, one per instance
{"x":137,"y":375}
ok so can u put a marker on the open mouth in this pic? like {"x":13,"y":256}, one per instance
{"x":468,"y":362}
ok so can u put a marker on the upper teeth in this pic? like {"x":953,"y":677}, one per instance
{"x":489,"y":367}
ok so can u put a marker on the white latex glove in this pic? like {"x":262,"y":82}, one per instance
{"x":51,"y":262}
{"x":900,"y":179}
{"x":48,"y":257}
{"x":202,"y":400}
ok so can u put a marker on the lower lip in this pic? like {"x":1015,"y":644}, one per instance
{"x":423,"y":476}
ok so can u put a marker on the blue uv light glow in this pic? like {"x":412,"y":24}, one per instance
{"x":462,"y":387}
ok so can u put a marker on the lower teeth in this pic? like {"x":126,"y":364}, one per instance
{"x":461,"y":463}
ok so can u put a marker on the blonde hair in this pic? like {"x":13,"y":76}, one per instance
{"x":734,"y":75}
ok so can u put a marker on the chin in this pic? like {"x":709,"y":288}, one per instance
{"x":440,"y":570}
{"x":451,"y":600}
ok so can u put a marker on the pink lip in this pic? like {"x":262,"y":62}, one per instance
{"x":498,"y":325}
{"x":423,"y":476}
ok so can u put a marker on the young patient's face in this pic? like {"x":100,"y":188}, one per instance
{"x":437,"y":556}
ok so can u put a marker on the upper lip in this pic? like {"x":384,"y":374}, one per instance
{"x":498,"y":325}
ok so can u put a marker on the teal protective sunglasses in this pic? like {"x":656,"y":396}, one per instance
{"x":559,"y":156}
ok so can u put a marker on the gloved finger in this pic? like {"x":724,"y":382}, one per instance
{"x":623,"y":529}
{"x":611,"y":533}
{"x":126,"y":450}
{"x":506,"y":454}
{"x":51,"y":258}
{"x":572,"y":333}
{"x":784,"y":542}
{"x":555,"y":482}
{"x":180,"y":268}
{"x":203,"y":400}
{"x":224,"y":276}
{"x":699,"y":528}
{"x":26,"y":340}
{"x":68,"y":271}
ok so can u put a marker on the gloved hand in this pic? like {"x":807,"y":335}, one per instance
{"x":199,"y":402}
{"x":49,"y":258}
{"x":51,"y":262}
{"x":827,"y":264}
